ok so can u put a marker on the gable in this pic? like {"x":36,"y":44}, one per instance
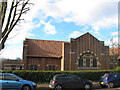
{"x":87,"y":35}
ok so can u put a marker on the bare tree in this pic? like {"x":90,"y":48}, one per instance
{"x":17,"y":9}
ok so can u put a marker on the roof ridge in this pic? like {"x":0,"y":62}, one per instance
{"x":47,"y":40}
{"x":89,"y":34}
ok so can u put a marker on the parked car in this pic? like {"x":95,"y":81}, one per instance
{"x":61,"y":81}
{"x":110,"y":80}
{"x":13,"y":82}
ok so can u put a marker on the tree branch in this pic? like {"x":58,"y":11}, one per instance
{"x":3,"y":8}
{"x":8,"y":21}
{"x":14,"y":15}
{"x":10,"y":29}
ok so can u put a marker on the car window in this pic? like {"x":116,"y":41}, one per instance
{"x":73,"y":77}
{"x":118,"y":75}
{"x":105,"y":75}
{"x":115,"y":75}
{"x":11,"y":78}
{"x":54,"y":77}
{"x":63,"y":77}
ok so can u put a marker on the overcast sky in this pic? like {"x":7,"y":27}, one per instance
{"x":64,"y":19}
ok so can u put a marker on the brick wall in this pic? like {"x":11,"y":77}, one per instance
{"x":88,"y":44}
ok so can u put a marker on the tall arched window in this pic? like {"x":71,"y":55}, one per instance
{"x":88,"y":59}
{"x":94,"y":62}
{"x":87,"y":55}
{"x":81,"y":62}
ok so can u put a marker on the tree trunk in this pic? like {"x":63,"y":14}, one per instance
{"x":3,"y":7}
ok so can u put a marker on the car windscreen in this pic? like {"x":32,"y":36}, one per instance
{"x":105,"y":75}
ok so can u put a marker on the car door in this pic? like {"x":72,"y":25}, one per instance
{"x":114,"y":77}
{"x":11,"y":82}
{"x":63,"y":80}
{"x":1,"y":82}
{"x":72,"y":81}
{"x":118,"y":79}
{"x":75,"y":81}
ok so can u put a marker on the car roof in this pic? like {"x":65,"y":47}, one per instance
{"x":62,"y":74}
{"x":114,"y":73}
{"x":6,"y":74}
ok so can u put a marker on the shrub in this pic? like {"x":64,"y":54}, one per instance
{"x":46,"y":76}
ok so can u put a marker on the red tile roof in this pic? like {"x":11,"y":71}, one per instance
{"x":44,"y":48}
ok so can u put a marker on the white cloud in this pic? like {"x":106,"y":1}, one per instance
{"x":49,"y":29}
{"x":30,"y":34}
{"x":42,"y":21}
{"x":95,"y":13}
{"x":11,"y":52}
{"x":112,"y":41}
{"x":75,"y":34}
{"x":115,"y":33}
{"x":105,"y":22}
{"x":78,"y":11}
{"x":37,"y":25}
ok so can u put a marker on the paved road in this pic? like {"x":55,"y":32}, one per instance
{"x":95,"y":87}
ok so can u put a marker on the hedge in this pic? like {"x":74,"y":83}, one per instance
{"x":46,"y":76}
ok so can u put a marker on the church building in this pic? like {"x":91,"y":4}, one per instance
{"x":83,"y":53}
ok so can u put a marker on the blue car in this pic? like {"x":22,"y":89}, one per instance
{"x":12,"y":82}
{"x":110,"y":80}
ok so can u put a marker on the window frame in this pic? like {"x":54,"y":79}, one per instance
{"x":10,"y":79}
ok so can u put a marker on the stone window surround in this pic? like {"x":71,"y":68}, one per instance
{"x":91,"y":60}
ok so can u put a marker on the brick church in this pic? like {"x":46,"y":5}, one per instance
{"x":83,"y":53}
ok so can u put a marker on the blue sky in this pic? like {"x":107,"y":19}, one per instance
{"x":64,"y":19}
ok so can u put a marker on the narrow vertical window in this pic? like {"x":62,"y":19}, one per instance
{"x":87,"y":62}
{"x":94,"y":63}
{"x":35,"y":67}
{"x":20,"y":67}
{"x":31,"y":67}
{"x":50,"y":68}
{"x":53,"y":67}
{"x":81,"y":62}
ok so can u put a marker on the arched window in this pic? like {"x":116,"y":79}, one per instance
{"x":89,"y":59}
{"x":94,"y":62}
{"x":81,"y":62}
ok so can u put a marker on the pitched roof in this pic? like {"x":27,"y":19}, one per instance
{"x":44,"y":48}
{"x":86,"y":34}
